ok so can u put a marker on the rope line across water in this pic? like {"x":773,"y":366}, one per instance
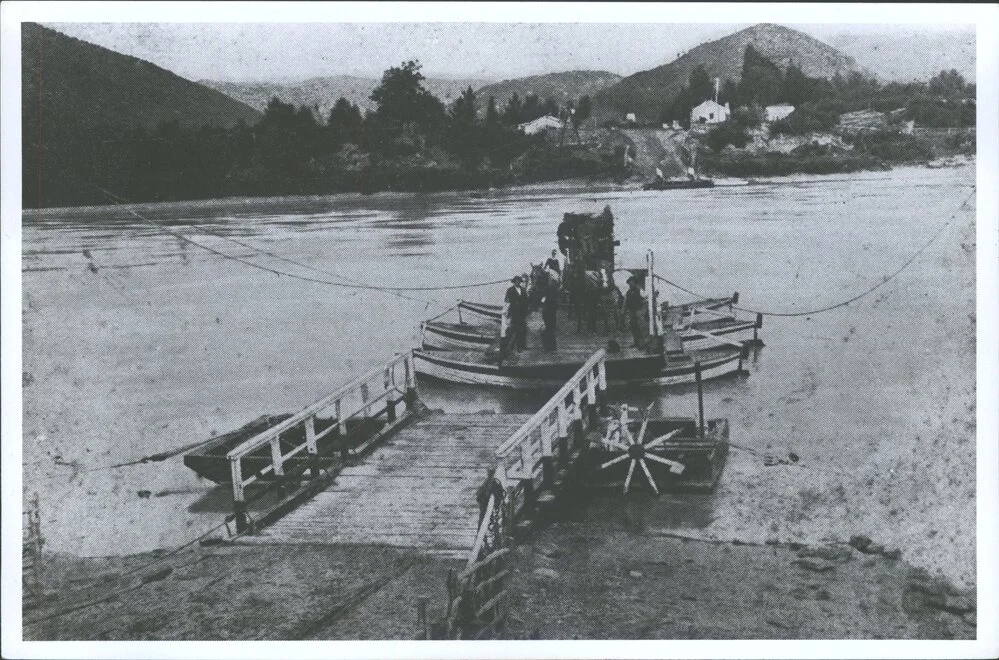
{"x":347,"y":283}
{"x":855,"y":298}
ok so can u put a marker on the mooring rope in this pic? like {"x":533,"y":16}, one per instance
{"x":345,"y":284}
{"x":855,"y":298}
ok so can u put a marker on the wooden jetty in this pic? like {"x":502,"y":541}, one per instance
{"x":419,"y":488}
{"x":459,"y":485}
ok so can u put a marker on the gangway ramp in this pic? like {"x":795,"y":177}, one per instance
{"x":405,"y":476}
{"x":416,"y":490}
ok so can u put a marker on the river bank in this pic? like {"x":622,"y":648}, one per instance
{"x":568,"y":582}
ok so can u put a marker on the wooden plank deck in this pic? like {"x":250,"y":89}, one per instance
{"x":417,"y":490}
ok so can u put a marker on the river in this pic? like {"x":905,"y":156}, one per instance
{"x":135,"y":341}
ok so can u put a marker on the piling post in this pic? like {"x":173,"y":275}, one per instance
{"x":602,"y":382}
{"x":700,"y":399}
{"x":563,"y":433}
{"x":411,"y":392}
{"x":591,"y":399}
{"x":390,"y":397}
{"x":650,"y":288}
{"x":530,"y":497}
{"x":310,"y":445}
{"x":278,"y":462}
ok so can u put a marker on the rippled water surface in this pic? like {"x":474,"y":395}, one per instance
{"x":151,"y":342}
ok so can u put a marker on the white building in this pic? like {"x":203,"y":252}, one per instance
{"x":630,"y":117}
{"x":541,"y":124}
{"x":709,"y":112}
{"x":778,"y":112}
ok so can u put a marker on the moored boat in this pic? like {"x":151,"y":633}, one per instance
{"x":539,"y":369}
{"x":652,"y":344}
{"x":699,"y":324}
{"x":678,"y":184}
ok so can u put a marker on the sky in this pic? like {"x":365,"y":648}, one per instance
{"x":294,"y":51}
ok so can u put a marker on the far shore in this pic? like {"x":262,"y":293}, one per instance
{"x":567,"y":185}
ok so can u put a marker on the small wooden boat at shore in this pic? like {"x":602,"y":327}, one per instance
{"x":209,"y":460}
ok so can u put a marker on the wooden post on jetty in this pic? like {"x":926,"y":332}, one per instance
{"x":650,"y":289}
{"x":700,"y":399}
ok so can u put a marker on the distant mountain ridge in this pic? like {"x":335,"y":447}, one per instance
{"x":71,"y":86}
{"x":560,"y":87}
{"x":323,"y":91}
{"x":647,"y":93}
{"x":899,"y":56}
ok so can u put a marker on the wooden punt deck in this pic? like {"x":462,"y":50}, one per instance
{"x":417,"y":490}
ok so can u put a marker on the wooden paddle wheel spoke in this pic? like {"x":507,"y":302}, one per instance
{"x":627,"y":481}
{"x":648,"y":475}
{"x":674,"y":467}
{"x":613,"y":461}
{"x":661,"y":439}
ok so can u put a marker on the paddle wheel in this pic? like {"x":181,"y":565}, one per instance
{"x":618,"y":436}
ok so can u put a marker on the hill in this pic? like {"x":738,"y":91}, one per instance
{"x":556,"y":86}
{"x":71,"y":86}
{"x":646,"y":93}
{"x":323,"y":91}
{"x":900,"y":56}
{"x":82,"y":103}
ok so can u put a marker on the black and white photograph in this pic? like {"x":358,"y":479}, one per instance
{"x":559,"y":330}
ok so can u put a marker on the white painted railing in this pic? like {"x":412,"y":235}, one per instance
{"x":532,"y":449}
{"x":394,"y":382}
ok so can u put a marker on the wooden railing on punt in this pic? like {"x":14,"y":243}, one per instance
{"x":366,"y":398}
{"x":524,"y":463}
{"x":529,"y":458}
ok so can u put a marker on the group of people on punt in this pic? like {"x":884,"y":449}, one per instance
{"x":518,"y":307}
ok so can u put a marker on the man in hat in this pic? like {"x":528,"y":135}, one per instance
{"x":634,"y":303}
{"x":549,"y":310}
{"x":553,"y":263}
{"x":516,"y":301}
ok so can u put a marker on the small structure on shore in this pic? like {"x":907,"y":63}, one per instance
{"x":710,"y":112}
{"x":777,"y":112}
{"x":541,"y":124}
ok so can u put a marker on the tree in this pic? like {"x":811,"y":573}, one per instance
{"x":344,"y":123}
{"x":584,"y":109}
{"x":797,"y":86}
{"x":948,"y":84}
{"x":762,"y":81}
{"x":699,"y":84}
{"x":513,"y":110}
{"x":464,"y":111}
{"x":401,"y":99}
{"x":492,"y":115}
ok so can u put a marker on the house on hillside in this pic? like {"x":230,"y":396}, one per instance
{"x":777,"y":112}
{"x":709,"y":112}
{"x":630,"y":118}
{"x":541,"y":124}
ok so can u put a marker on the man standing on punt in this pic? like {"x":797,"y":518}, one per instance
{"x":516,"y":302}
{"x":634,"y":303}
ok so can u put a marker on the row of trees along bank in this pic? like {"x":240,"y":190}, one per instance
{"x":410,"y":141}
